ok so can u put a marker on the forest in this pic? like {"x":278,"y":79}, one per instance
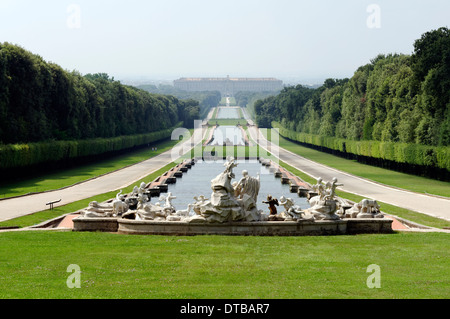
{"x":47,"y":113}
{"x":40,"y":101}
{"x":396,"y":99}
{"x":247,"y":99}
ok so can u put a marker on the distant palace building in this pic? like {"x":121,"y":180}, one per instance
{"x":229,"y":86}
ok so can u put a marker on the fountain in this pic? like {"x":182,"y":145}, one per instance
{"x":232,"y":209}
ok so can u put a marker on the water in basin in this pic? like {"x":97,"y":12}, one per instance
{"x":228,"y":113}
{"x":197,"y":181}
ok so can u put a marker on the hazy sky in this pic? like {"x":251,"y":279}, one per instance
{"x":244,"y":38}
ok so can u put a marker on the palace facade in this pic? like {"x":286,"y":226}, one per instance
{"x":229,"y":86}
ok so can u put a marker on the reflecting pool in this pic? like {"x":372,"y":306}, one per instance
{"x":228,"y":113}
{"x":197,"y":181}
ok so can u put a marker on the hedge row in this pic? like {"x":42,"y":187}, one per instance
{"x":414,"y":154}
{"x":23,"y":155}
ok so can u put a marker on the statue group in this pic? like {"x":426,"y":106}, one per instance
{"x":229,"y":202}
{"x":325,"y":205}
{"x":232,"y":202}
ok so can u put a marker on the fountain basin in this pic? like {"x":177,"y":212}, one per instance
{"x":216,"y":219}
{"x":266,"y":228}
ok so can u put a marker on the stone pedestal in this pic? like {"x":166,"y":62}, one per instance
{"x":369,"y":225}
{"x":302,"y":192}
{"x":178,"y":174}
{"x":293,"y":188}
{"x":95,"y":224}
{"x":268,"y":228}
{"x":264,"y":228}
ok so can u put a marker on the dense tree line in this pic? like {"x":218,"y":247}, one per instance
{"x":395,"y":98}
{"x":206,"y":99}
{"x":394,"y":112}
{"x":247,"y":99}
{"x":39,"y":101}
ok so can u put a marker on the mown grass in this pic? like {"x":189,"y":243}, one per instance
{"x":407,"y":214}
{"x":34,"y":265}
{"x":397,"y":179}
{"x":39,"y":217}
{"x":64,"y":178}
{"x":214,"y":115}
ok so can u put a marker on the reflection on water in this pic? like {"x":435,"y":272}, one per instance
{"x":228,"y":135}
{"x":197,"y":181}
{"x":228,"y":113}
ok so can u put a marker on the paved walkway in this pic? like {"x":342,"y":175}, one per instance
{"x":430,"y":205}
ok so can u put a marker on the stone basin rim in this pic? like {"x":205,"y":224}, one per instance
{"x":234,"y":223}
{"x":345,"y":226}
{"x":231,"y":224}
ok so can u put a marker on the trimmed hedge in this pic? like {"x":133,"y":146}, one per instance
{"x":412,"y":154}
{"x":24,"y":155}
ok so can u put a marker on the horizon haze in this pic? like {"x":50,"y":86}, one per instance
{"x":294,"y":41}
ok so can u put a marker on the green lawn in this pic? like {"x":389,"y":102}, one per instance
{"x":236,"y":151}
{"x":381,"y":175}
{"x":34,"y":265}
{"x":75,"y":175}
{"x":39,"y":217}
{"x":216,"y":110}
{"x":386,"y":208}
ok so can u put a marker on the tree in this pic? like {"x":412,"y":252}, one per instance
{"x":40,"y":101}
{"x":431,"y":65}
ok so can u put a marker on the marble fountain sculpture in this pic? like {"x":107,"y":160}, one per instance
{"x":232,"y":209}
{"x":228,"y":202}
